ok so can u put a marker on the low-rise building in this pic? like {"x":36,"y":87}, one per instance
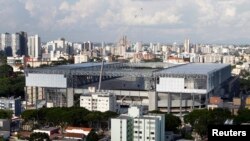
{"x":50,"y":130}
{"x":99,"y":102}
{"x":135,"y":126}
{"x":4,"y":125}
{"x":76,"y":133}
{"x":12,"y":104}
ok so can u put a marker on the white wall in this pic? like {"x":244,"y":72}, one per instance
{"x":175,"y":85}
{"x":46,"y":80}
{"x":170,"y":84}
{"x":118,"y":129}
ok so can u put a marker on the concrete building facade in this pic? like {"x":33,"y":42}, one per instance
{"x":99,"y":102}
{"x":138,"y":127}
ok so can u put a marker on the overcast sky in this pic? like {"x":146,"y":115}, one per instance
{"x":166,"y":21}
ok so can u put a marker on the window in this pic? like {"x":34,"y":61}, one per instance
{"x":152,"y":133}
{"x":140,"y":132}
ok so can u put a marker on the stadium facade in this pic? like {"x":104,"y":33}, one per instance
{"x":168,"y":87}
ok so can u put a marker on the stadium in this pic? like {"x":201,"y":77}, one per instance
{"x":173,"y":88}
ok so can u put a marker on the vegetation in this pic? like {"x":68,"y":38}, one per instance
{"x":200,"y":119}
{"x":5,"y":114}
{"x":242,"y":117}
{"x":75,"y":116}
{"x":92,"y":136}
{"x":172,"y":123}
{"x":39,"y":137}
{"x":10,"y":83}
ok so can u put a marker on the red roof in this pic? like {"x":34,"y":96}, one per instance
{"x":74,"y":135}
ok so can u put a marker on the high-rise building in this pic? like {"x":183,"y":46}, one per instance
{"x":187,"y":46}
{"x":23,"y":43}
{"x":88,"y":46}
{"x":34,"y":46}
{"x":15,"y":44}
{"x":6,"y":44}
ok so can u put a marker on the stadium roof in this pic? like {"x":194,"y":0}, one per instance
{"x":152,"y":69}
{"x":109,"y":69}
{"x":194,"y":68}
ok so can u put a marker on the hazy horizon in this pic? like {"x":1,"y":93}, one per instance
{"x":164,"y":21}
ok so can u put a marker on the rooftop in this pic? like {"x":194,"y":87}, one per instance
{"x":78,"y":128}
{"x":194,"y":68}
{"x":109,"y":69}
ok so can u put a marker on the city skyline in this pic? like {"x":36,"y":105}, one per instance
{"x":210,"y":21}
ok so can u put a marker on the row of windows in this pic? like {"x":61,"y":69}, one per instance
{"x":140,"y":132}
{"x":140,"y":137}
{"x":94,"y":100}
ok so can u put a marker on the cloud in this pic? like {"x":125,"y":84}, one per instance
{"x":93,"y":19}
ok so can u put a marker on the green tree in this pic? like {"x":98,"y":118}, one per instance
{"x":3,"y":58}
{"x":200,"y":119}
{"x":29,"y":115}
{"x":172,"y":122}
{"x":5,"y":114}
{"x":5,"y":87}
{"x":92,"y":136}
{"x":5,"y":70}
{"x":242,"y":117}
{"x":39,"y":137}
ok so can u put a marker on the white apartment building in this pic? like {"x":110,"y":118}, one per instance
{"x":15,"y":42}
{"x":212,"y":58}
{"x":122,"y":128}
{"x":5,"y":41}
{"x":99,"y":102}
{"x":11,"y":104}
{"x":187,"y":46}
{"x":229,"y":59}
{"x":206,"y":49}
{"x":138,"y":127}
{"x":80,"y":58}
{"x":34,"y":46}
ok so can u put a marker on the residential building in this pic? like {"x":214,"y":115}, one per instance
{"x":99,"y":102}
{"x":187,"y":46}
{"x":23,"y":43}
{"x":15,"y":44}
{"x":11,"y":104}
{"x":80,"y":58}
{"x":34,"y":46}
{"x":5,"y":44}
{"x":138,"y":127}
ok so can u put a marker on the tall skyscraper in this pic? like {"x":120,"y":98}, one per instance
{"x":187,"y":46}
{"x":6,"y":44}
{"x":15,"y":44}
{"x":88,"y":46}
{"x":34,"y":46}
{"x":23,"y":43}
